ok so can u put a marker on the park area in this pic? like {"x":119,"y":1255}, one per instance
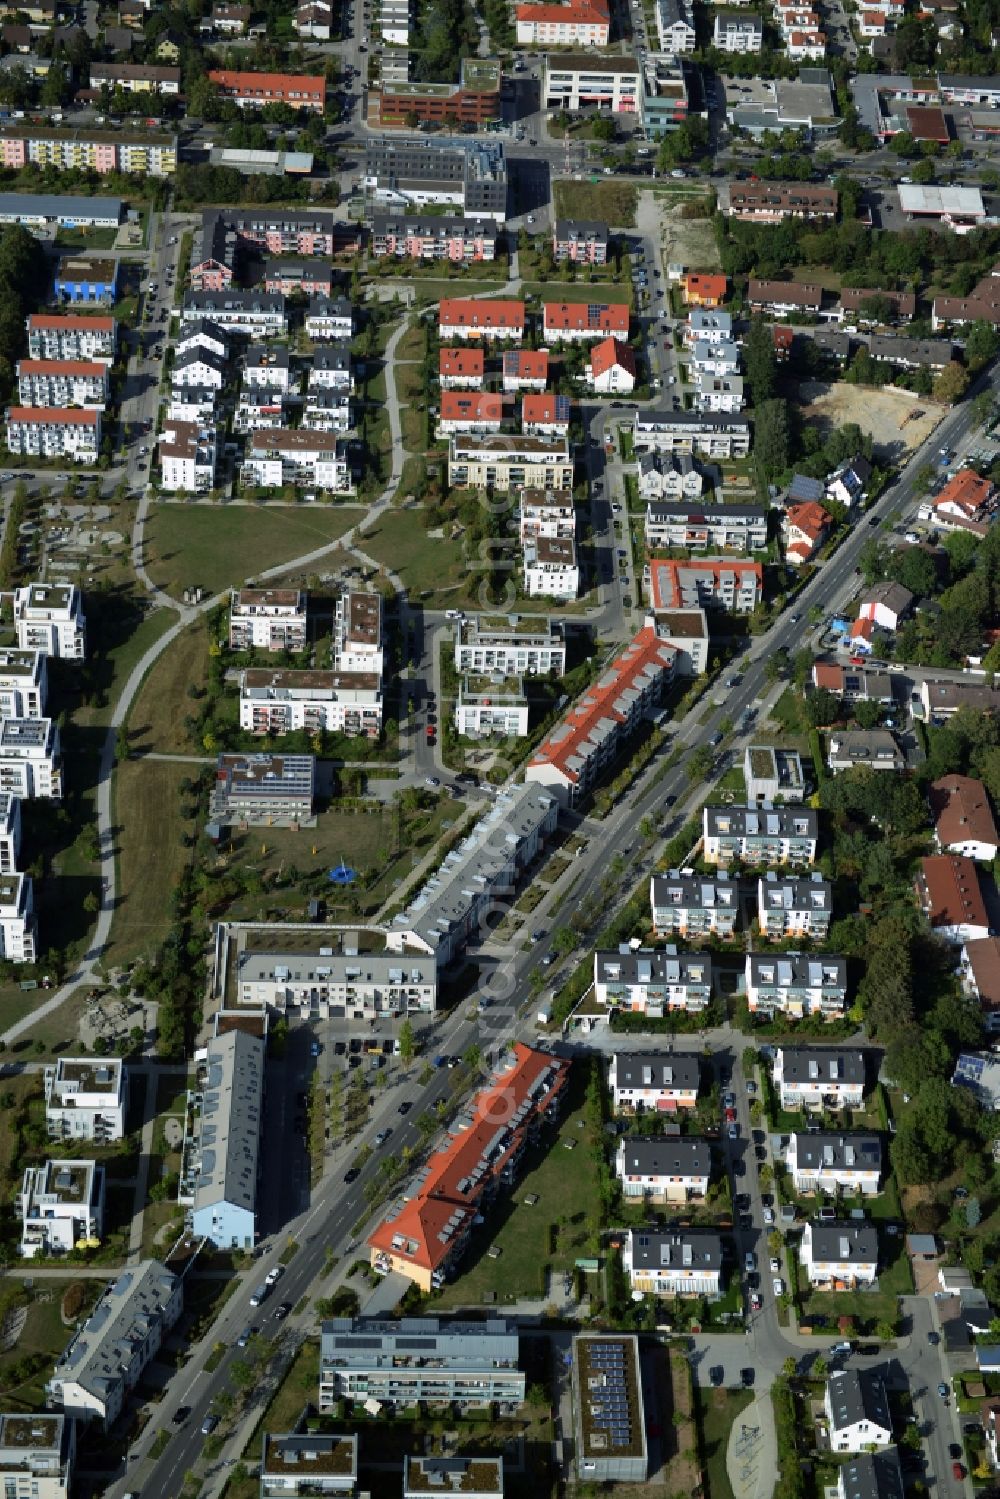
{"x":886,"y":415}
{"x":151,"y":854}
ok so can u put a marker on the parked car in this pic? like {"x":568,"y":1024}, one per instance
{"x":208,"y":1425}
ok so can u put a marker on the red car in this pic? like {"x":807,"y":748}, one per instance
{"x":957,"y":1471}
{"x":857,"y":660}
{"x":430,"y":733}
{"x":730,"y":1116}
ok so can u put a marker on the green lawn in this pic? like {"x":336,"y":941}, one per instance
{"x":612,"y":203}
{"x":45,"y":1335}
{"x":603,"y":291}
{"x":150,"y":854}
{"x":716,"y":1411}
{"x":218,"y":547}
{"x":156,"y":721}
{"x":427,"y":566}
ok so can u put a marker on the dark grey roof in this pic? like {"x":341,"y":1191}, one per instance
{"x":856,"y":1152}
{"x":694,"y":891}
{"x":333,"y":357}
{"x":647,"y":967}
{"x":329,"y":307}
{"x":581,"y":229}
{"x":674,"y":1251}
{"x":699,"y":420}
{"x":845,"y":1241}
{"x":648,"y":1069}
{"x":763,"y":822}
{"x":206,"y":328}
{"x":803,"y":490}
{"x":200,"y":354}
{"x":666,"y":1155}
{"x":873,"y":1475}
{"x":795,"y":892}
{"x":797,"y":970}
{"x":808,"y":1064}
{"x":692,"y":510}
{"x":857,"y":1395}
{"x":249,"y":301}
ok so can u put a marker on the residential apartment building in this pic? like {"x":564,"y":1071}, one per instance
{"x":950,"y":896}
{"x":736,"y":32}
{"x":470,"y":1365}
{"x":783,"y":298}
{"x":257,"y":314}
{"x":671,"y":477}
{"x":276,"y":702}
{"x":62,"y":382}
{"x":578,"y":81}
{"x":663,"y":1168}
{"x":523,"y":369}
{"x":49,"y":618}
{"x":510,"y":645}
{"x":298,"y":456}
{"x":551,"y":569}
{"x":488,"y":705}
{"x":50,"y":432}
{"x":576,"y":322}
{"x":220,"y":1162}
{"x":796,"y":984}
{"x":702,"y":528}
{"x":770,"y":202}
{"x":682,"y":1263}
{"x":331,"y":369}
{"x":584,"y":241}
{"x":573,"y":23}
{"x":660,"y":1081}
{"x":772,"y":773}
{"x":134,"y":78}
{"x":18,"y":925}
{"x":257,"y":410}
{"x":504,"y":463}
{"x":641,"y":981}
{"x":61,"y":1207}
{"x":760,"y":835}
{"x":472,"y":318}
{"x":835,"y":1163}
{"x":263,"y":789}
{"x":256,"y":90}
{"x":72,"y":335}
{"x":357,"y":632}
{"x":188,"y":456}
{"x":547,"y":513}
{"x":37,"y":1455}
{"x":86,"y":1099}
{"x":840,"y":1255}
{"x":545,"y":415}
{"x":464,"y":369}
{"x":335,"y":984}
{"x":478,"y":1477}
{"x":794,"y":906}
{"x":291,"y":277}
{"x":105,"y":1358}
{"x":574,"y":756}
{"x":685,"y":904}
{"x":433,"y":238}
{"x":876,"y":749}
{"x":706,"y":583}
{"x":857,"y":1411}
{"x":329,"y":317}
{"x":702,"y":434}
{"x":30,"y":758}
{"x":980,"y":970}
{"x":718,"y":392}
{"x":819,"y":1077}
{"x":612,"y":368}
{"x":267,"y":619}
{"x":10,"y":832}
{"x":90,"y":280}
{"x":304,"y":1465}
{"x":410,"y":172}
{"x":476,"y":876}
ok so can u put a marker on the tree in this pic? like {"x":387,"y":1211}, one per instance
{"x":952,"y":383}
{"x":407,"y":1044}
{"x":604,"y":129}
{"x":699,"y":763}
{"x":759,"y":361}
{"x":771,"y":441}
{"x":973,"y":1213}
{"x":924,"y":172}
{"x":982,"y":343}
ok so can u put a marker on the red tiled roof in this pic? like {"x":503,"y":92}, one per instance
{"x":609,"y":352}
{"x":664,"y":588}
{"x":705,"y":286}
{"x":471,"y":312}
{"x":75,"y":416}
{"x":962,"y":811}
{"x":46,"y":322}
{"x":290,"y":86}
{"x":828,"y":676}
{"x":462,"y":362}
{"x":966,"y":491}
{"x":576,"y":12}
{"x":647,"y":652}
{"x":863,"y":629}
{"x":983,"y":954}
{"x":447,"y":1186}
{"x":952,"y":896}
{"x":608,"y":317}
{"x":544,"y":407}
{"x":61,"y":367}
{"x":527,"y":364}
{"x":475,"y":405}
{"x":810,"y":518}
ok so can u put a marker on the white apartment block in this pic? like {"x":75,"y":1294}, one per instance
{"x":61,"y":1206}
{"x":796,"y":984}
{"x":259,"y":410}
{"x":357,"y":632}
{"x":641,"y":981}
{"x":562,"y":26}
{"x":193,"y":404}
{"x":352,"y":986}
{"x":72,"y":335}
{"x":489,"y":705}
{"x":685,"y":904}
{"x":329,"y":319}
{"x":62,"y":382}
{"x":857,"y":1411}
{"x":510,"y":645}
{"x":504,"y":463}
{"x":685,"y":1263}
{"x":18,"y":929}
{"x":737,"y":33}
{"x":327,"y":411}
{"x":790,"y":906}
{"x":819,"y":1077}
{"x":30,"y":759}
{"x":10,"y":832}
{"x":675,"y":27}
{"x":659,"y":1081}
{"x":267,"y":619}
{"x":715,"y":357}
{"x":719,"y":392}
{"x":37,"y":1453}
{"x":49,"y":618}
{"x":107,"y":1355}
{"x":547,"y":513}
{"x":199,"y":367}
{"x":331,"y":369}
{"x":24,"y":683}
{"x":707,"y":325}
{"x":267,"y":367}
{"x":296,"y":456}
{"x":760,"y":835}
{"x":833,"y":1163}
{"x":663,"y":1168}
{"x":703,"y":528}
{"x":839,"y":1255}
{"x":281,"y":702}
{"x":551,"y":569}
{"x":187,"y":457}
{"x":51,"y":432}
{"x":86,"y":1099}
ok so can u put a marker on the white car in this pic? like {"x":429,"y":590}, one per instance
{"x":274,"y":1275}
{"x":775,"y":1266}
{"x":779,"y":1286}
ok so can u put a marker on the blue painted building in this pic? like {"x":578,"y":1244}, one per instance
{"x":91,"y":280}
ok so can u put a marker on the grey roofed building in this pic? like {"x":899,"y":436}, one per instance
{"x":204,"y":330}
{"x":832,"y":341}
{"x":832,"y":1152}
{"x":844,"y":1241}
{"x":911,"y":353}
{"x":871,"y":1475}
{"x":811,"y":1064}
{"x":665,"y":1155}
{"x":470,"y":1363}
{"x":893,"y":596}
{"x":478,"y":1474}
{"x":308,"y":1463}
{"x":876,"y":748}
{"x":60,"y":208}
{"x":254,"y":786}
{"x":675,"y":1069}
{"x":798,"y":969}
{"x":856,"y":1395}
{"x":803,"y":490}
{"x":200,"y":354}
{"x":224,"y":1199}
{"x":761,"y":822}
{"x":653,"y":1251}
{"x":644,"y":966}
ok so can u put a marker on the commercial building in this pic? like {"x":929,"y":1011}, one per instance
{"x":433,"y":238}
{"x":834,"y":1163}
{"x":406,"y":173}
{"x":706,"y":583}
{"x":60,"y":210}
{"x":578,"y":81}
{"x":86,"y":1099}
{"x":685,"y":904}
{"x":256,"y":90}
{"x":698,"y":433}
{"x":61,"y":1207}
{"x":468,"y":317}
{"x":304,"y":1465}
{"x":71,"y":335}
{"x":794,"y":906}
{"x":30,"y":758}
{"x":477,"y":877}
{"x":105,"y":1358}
{"x":18,"y":926}
{"x":660,"y":1081}
{"x":62,"y":382}
{"x":575,"y":322}
{"x":490,"y":704}
{"x":471,"y":1365}
{"x":472,"y":102}
{"x":960,"y":208}
{"x":701,"y":528}
{"x":551,"y":569}
{"x":267,"y":619}
{"x":220,"y":1158}
{"x":609,"y":1417}
{"x":49,"y":432}
{"x":819,"y":1077}
{"x":510,"y":645}
{"x":502,"y":463}
{"x":669,"y":87}
{"x":298,"y":456}
{"x":573,"y":23}
{"x":681,"y":1263}
{"x":49,"y":618}
{"x":951,"y":899}
{"x":641,"y":981}
{"x":796,"y":984}
{"x":584,"y":241}
{"x":591,"y":735}
{"x":840,"y":1255}
{"x":263,"y":789}
{"x":276,"y":702}
{"x":37,"y":1455}
{"x":857,"y":1411}
{"x":339,"y":982}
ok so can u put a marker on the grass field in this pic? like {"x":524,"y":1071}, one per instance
{"x":43,"y":1334}
{"x":157,"y":718}
{"x":599,"y":291}
{"x":150,"y":856}
{"x":56,"y":1032}
{"x":219,"y":547}
{"x":400,"y":542}
{"x":717,"y":1410}
{"x":613,"y":203}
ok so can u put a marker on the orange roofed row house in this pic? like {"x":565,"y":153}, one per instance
{"x":706,"y":583}
{"x":424,"y":1236}
{"x":471,"y":317}
{"x":462,"y":369}
{"x":565,"y":321}
{"x":254,"y":90}
{"x":578,"y":23}
{"x":470,"y":411}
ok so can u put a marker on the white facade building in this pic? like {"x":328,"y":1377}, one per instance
{"x":62,"y":382}
{"x":280,"y":702}
{"x":24,"y":683}
{"x":61,"y":1206}
{"x":840,"y":1255}
{"x":510,"y":645}
{"x":792,"y":906}
{"x":660,"y":1081}
{"x":18,"y":930}
{"x":338,"y":984}
{"x":10,"y":832}
{"x":86,"y":1099}
{"x":220,"y":1160}
{"x":30,"y":758}
{"x":819,"y":1077}
{"x":685,"y":1263}
{"x":49,"y":618}
{"x":37,"y":1453}
{"x":663,"y":1168}
{"x":296,"y":456}
{"x":833,"y":1163}
{"x":267,"y":619}
{"x":187,"y":457}
{"x":796,"y":984}
{"x":489,"y":705}
{"x":551,"y":569}
{"x":52,"y":432}
{"x":641,"y":981}
{"x":857,"y":1411}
